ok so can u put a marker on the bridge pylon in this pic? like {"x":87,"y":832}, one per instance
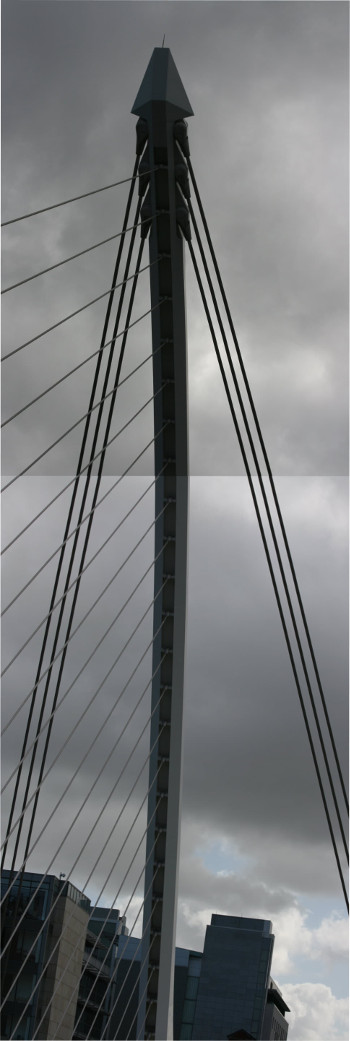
{"x":162,"y":106}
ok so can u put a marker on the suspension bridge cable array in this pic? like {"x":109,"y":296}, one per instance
{"x":113,"y":902}
{"x":111,"y":981}
{"x":65,"y":488}
{"x":108,"y":393}
{"x":34,"y":808}
{"x":142,"y":872}
{"x":61,"y":654}
{"x":86,"y":566}
{"x":70,"y":513}
{"x":83,"y":554}
{"x":73,"y":314}
{"x":125,"y":687}
{"x":274,"y":538}
{"x":101,"y":349}
{"x":93,"y":826}
{"x":269,"y":562}
{"x":92,"y":653}
{"x":67,"y":260}
{"x":57,"y":550}
{"x":76,"y":198}
{"x":130,"y":326}
{"x":113,"y":978}
{"x":13,"y":717}
{"x":270,"y":477}
{"x":132,"y":960}
{"x":70,"y":373}
{"x":88,"y":879}
{"x":57,"y":898}
{"x":73,"y":427}
{"x":93,"y":697}
{"x":99,"y":688}
{"x":69,"y":587}
{"x":68,"y":631}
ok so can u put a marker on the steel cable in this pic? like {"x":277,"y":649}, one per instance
{"x":112,"y":980}
{"x":87,"y":796}
{"x":98,"y":937}
{"x":66,"y":486}
{"x":73,"y":427}
{"x":108,"y":951}
{"x":46,"y":562}
{"x":76,"y":198}
{"x":121,"y":734}
{"x":120,"y":889}
{"x":92,"y":653}
{"x":75,"y":480}
{"x":66,"y":261}
{"x":73,"y":314}
{"x":87,"y":534}
{"x":91,"y":561}
{"x":90,"y":610}
{"x":140,"y":998}
{"x":57,"y":898}
{"x":268,"y":558}
{"x":57,"y":550}
{"x":126,"y":685}
{"x":272,"y":483}
{"x":23,"y":703}
{"x":120,"y":990}
{"x":87,"y":707}
{"x":75,"y":369}
{"x":274,"y":538}
{"x":132,"y":960}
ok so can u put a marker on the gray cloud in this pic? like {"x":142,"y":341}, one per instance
{"x":268,"y":84}
{"x":271,"y":160}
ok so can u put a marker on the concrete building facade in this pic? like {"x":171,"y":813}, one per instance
{"x":57,"y":906}
{"x":68,"y":932}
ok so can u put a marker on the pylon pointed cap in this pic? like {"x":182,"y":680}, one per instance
{"x":161,"y":82}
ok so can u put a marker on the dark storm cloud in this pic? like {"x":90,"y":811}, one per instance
{"x":268,"y":85}
{"x":246,"y":759}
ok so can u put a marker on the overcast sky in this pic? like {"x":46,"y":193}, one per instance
{"x":268,"y":83}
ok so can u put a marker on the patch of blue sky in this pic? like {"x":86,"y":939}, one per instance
{"x":222,"y":858}
{"x":306,"y":970}
{"x":330,"y":967}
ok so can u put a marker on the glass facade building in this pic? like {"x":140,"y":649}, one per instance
{"x":224,"y":992}
{"x":234,"y":978}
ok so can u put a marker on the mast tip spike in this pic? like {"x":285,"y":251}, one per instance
{"x":162,"y":82}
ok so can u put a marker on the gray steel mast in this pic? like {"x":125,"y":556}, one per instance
{"x":162,"y":104}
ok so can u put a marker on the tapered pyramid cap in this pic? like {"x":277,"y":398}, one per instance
{"x":161,"y":82}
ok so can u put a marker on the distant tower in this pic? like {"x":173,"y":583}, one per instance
{"x":162,"y":104}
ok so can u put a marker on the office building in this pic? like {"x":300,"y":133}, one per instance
{"x":187,"y":970}
{"x":234,"y":977}
{"x":97,"y":990}
{"x":50,"y":906}
{"x":59,"y":917}
{"x":226,"y":992}
{"x":275,"y":1026}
